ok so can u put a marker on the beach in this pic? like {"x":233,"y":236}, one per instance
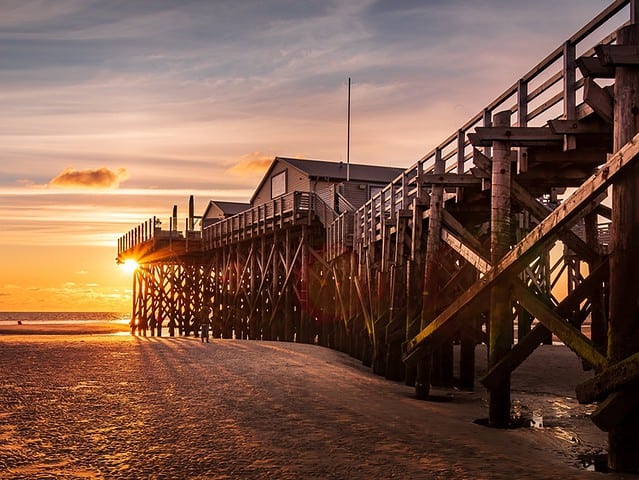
{"x":92,"y":401}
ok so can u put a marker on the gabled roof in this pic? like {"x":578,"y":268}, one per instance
{"x":337,"y":170}
{"x":228,"y":208}
{"x":334,"y":171}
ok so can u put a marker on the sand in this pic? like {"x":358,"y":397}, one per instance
{"x":87,"y":404}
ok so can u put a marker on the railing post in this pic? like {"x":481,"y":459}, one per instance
{"x":461,"y":146}
{"x":522,"y":121}
{"x":570,"y":106}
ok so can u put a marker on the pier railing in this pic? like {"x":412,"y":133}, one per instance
{"x":552,"y":89}
{"x":294,"y":207}
{"x":142,"y":233}
{"x":151,"y":230}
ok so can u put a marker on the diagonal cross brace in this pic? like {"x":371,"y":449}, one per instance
{"x":517,"y":258}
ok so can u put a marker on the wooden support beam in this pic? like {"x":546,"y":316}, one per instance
{"x":616,"y":409}
{"x":572,"y":337}
{"x":450,"y":179}
{"x":515,"y":136}
{"x":368,"y":319}
{"x":616,"y":377}
{"x":578,"y":127}
{"x":481,"y":264}
{"x":468,"y":238}
{"x":547,"y":230}
{"x":604,"y":211}
{"x":593,"y":68}
{"x":618,"y":55}
{"x":527,"y":345}
{"x":599,"y":99}
{"x":539,"y":211}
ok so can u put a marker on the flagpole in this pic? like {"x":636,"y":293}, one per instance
{"x":348,"y":134}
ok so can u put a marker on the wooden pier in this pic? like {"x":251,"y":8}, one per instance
{"x":520,"y":227}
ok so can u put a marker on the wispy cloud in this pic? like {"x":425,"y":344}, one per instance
{"x":254,"y":163}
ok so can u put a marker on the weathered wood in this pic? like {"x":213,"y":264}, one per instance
{"x":450,"y":179}
{"x":593,"y":68}
{"x":431,"y":282}
{"x":515,"y":136}
{"x":572,"y":337}
{"x":615,"y":377}
{"x":539,"y":211}
{"x":415,"y":282}
{"x":618,"y":55}
{"x":578,"y":127}
{"x":529,"y":343}
{"x":570,"y":94}
{"x":476,"y":260}
{"x":598,"y":99}
{"x":598,"y":318}
{"x":468,"y":238}
{"x":618,"y":408}
{"x":544,"y":233}
{"x":461,"y":159}
{"x":500,"y":331}
{"x":623,"y":336}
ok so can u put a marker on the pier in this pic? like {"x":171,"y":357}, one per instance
{"x":520,"y":228}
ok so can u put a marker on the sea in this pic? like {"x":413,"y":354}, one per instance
{"x":41,"y":318}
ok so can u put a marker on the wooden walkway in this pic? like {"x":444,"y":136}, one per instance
{"x":503,"y":225}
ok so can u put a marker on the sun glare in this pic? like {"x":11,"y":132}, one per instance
{"x":130,"y":265}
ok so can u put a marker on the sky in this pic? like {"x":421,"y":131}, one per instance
{"x":114,"y":111}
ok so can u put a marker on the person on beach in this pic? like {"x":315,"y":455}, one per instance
{"x":152,"y":325}
{"x":134,"y":325}
{"x":204,"y":324}
{"x":142,"y":326}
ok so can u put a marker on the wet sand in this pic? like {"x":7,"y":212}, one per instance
{"x":97,"y":405}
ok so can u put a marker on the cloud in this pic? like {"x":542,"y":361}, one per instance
{"x":251,"y":164}
{"x":90,"y":178}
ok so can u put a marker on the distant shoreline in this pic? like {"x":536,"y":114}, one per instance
{"x":65,"y":328}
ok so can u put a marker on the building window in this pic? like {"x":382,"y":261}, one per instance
{"x":278,"y":184}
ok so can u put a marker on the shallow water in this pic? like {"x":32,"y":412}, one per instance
{"x":11,"y":318}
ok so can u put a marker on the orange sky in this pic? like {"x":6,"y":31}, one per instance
{"x":113,"y":113}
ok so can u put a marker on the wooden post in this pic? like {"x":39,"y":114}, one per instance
{"x":431,"y":283}
{"x":500,"y":336}
{"x":287,"y":331}
{"x":414,"y":282}
{"x":304,"y":334}
{"x":623,"y":338}
{"x":599,"y":322}
{"x":395,"y":367}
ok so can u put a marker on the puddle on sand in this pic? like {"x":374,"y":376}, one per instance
{"x":597,"y":462}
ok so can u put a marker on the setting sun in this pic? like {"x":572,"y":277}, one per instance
{"x":129,"y":265}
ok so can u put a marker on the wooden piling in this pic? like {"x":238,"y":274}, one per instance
{"x":431,"y":283}
{"x":500,"y":319}
{"x":623,"y":338}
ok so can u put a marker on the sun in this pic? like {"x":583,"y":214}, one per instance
{"x":129,"y":265}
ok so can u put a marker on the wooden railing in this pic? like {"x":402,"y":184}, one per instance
{"x":295,"y":207}
{"x":140,"y":234}
{"x":552,"y":89}
{"x":151,"y":230}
